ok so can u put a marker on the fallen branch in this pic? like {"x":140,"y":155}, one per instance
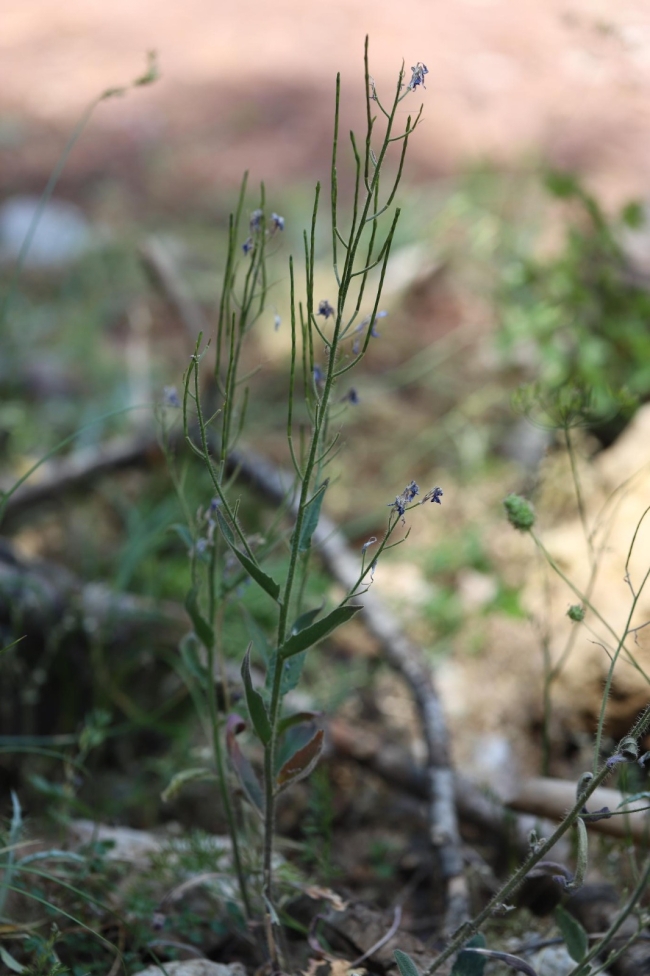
{"x":394,"y":765}
{"x":551,"y":798}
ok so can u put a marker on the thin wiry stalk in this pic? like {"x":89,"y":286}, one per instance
{"x":217,"y":747}
{"x":578,"y":491}
{"x":589,"y":605}
{"x":292,"y":374}
{"x":334,"y":180}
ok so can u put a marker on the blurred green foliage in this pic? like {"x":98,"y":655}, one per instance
{"x":579,"y":318}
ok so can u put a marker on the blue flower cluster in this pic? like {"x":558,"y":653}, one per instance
{"x":407,"y":496}
{"x":417,"y":78}
{"x":256,"y":224}
{"x":433,"y":496}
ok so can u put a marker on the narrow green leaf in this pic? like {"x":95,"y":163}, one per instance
{"x":202,"y":628}
{"x":266,"y":582}
{"x":297,"y":718}
{"x":514,"y":962}
{"x":292,"y":668}
{"x":179,"y":780}
{"x":405,"y":964}
{"x":582,"y":858}
{"x":575,"y":937}
{"x":469,"y":963}
{"x":262,"y":579}
{"x":310,"y":518}
{"x":311,"y":635}
{"x":189,"y":649}
{"x":291,"y":672}
{"x":256,"y":708}
{"x":305,"y":619}
{"x":226,"y":531}
{"x":301,"y":763}
{"x":10,"y":962}
{"x":633,"y":798}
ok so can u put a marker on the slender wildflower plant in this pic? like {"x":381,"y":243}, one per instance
{"x":330,"y":334}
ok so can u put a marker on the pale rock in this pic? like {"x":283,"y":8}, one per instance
{"x":62,"y":234}
{"x":194,"y":967}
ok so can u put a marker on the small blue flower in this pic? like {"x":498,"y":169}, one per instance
{"x":417,"y":78}
{"x":277,"y":321}
{"x":170,"y":397}
{"x":214,"y":504}
{"x":433,"y":496}
{"x":399,"y":505}
{"x":201,"y":546}
{"x":407,"y":496}
{"x":615,"y":760}
{"x":411,"y":491}
{"x":324,"y":308}
{"x":277,"y":222}
{"x":247,"y":245}
{"x":256,"y":220}
{"x":318,"y":375}
{"x":366,"y":322}
{"x":351,"y":397}
{"x":355,"y":347}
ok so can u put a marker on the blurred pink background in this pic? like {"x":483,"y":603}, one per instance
{"x":249,"y":84}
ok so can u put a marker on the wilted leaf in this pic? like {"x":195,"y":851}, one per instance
{"x":179,"y":780}
{"x":245,"y":772}
{"x":301,"y":763}
{"x":315,"y":892}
